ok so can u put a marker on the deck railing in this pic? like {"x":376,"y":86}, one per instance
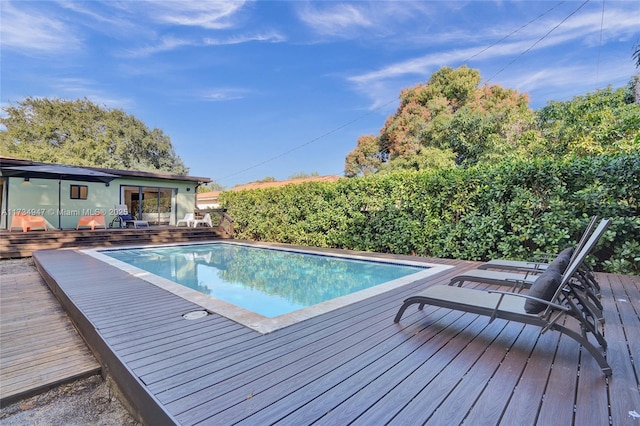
{"x":220,"y":218}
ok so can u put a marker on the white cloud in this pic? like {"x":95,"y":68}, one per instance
{"x":335,"y":20}
{"x":534,"y":41}
{"x":223,"y":94}
{"x":272,"y":37}
{"x":31,"y":31}
{"x":362,"y":18}
{"x":170,"y":42}
{"x":194,"y":13}
{"x":78,"y":88}
{"x":163,"y":44}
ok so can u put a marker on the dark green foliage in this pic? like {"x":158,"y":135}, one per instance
{"x":82,"y":133}
{"x":515,"y":209}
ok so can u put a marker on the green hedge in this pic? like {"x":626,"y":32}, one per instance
{"x":514,"y":210}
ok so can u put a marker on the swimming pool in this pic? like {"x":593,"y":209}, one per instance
{"x":265,"y":285}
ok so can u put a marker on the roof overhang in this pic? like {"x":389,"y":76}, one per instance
{"x":54,"y":171}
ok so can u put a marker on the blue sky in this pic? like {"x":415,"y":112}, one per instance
{"x":247,"y":90}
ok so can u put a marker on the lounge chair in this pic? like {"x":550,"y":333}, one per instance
{"x":206,"y":221}
{"x":188,"y":220}
{"x":536,"y":266}
{"x":526,"y":280}
{"x":125,"y":219}
{"x":511,"y":307}
{"x":551,"y":304}
{"x":27,"y":222}
{"x":93,"y":221}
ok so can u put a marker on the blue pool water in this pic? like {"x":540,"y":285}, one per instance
{"x":265,"y":281}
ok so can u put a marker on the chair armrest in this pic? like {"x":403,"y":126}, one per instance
{"x":544,"y":257}
{"x":537,"y":265}
{"x":516,"y":284}
{"x":526,"y":296}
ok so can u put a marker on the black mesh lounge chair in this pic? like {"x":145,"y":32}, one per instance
{"x":554,"y":308}
{"x":536,"y":266}
{"x":526,"y":280}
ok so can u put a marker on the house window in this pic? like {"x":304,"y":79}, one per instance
{"x":79,"y":192}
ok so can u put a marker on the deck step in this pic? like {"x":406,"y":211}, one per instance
{"x":23,"y":244}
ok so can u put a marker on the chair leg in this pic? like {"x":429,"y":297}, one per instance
{"x":595,"y":352}
{"x":403,"y":308}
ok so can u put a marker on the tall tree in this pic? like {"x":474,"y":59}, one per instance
{"x":449,"y":120}
{"x":604,"y":122}
{"x":85,"y":134}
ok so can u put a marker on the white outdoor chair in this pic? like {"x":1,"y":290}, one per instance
{"x":206,"y":221}
{"x":188,"y":220}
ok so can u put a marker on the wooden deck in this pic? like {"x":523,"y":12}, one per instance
{"x":39,"y":346}
{"x":349,"y":366}
{"x":22,"y":244}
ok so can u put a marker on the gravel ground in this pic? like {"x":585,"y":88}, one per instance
{"x":83,"y":402}
{"x":88,"y":401}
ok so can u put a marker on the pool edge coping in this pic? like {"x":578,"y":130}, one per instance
{"x":257,"y":322}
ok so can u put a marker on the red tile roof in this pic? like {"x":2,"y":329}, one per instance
{"x":213,"y":195}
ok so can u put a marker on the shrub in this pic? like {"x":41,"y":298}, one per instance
{"x":516,"y":210}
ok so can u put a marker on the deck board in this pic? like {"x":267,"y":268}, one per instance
{"x":620,"y":339}
{"x":39,"y":346}
{"x":354,"y":364}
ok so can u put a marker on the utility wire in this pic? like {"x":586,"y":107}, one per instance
{"x":285,"y":153}
{"x":600,"y":44}
{"x":539,"y":40}
{"x":515,"y":31}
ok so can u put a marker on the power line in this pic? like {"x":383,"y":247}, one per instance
{"x":600,"y":44}
{"x":539,"y":40}
{"x":285,"y":153}
{"x":515,"y":32}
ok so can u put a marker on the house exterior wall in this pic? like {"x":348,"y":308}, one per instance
{"x":40,"y":197}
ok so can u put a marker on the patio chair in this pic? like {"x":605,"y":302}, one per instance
{"x":93,"y":221}
{"x":188,"y":220}
{"x":536,"y":266}
{"x":550,"y":304}
{"x":206,"y":221}
{"x":125,"y":219}
{"x":590,"y":286}
{"x":27,"y":222}
{"x":557,"y":313}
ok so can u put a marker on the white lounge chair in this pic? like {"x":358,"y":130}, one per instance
{"x":188,"y":220}
{"x":206,"y":221}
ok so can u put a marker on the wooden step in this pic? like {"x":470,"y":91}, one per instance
{"x":23,"y":244}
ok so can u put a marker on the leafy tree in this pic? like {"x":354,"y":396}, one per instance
{"x":449,"y":120}
{"x":266,"y":179}
{"x":211,"y":186}
{"x":604,"y":122}
{"x":85,"y":134}
{"x":366,"y":158}
{"x":303,"y":175}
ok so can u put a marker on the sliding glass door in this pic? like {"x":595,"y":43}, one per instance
{"x":154,"y":204}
